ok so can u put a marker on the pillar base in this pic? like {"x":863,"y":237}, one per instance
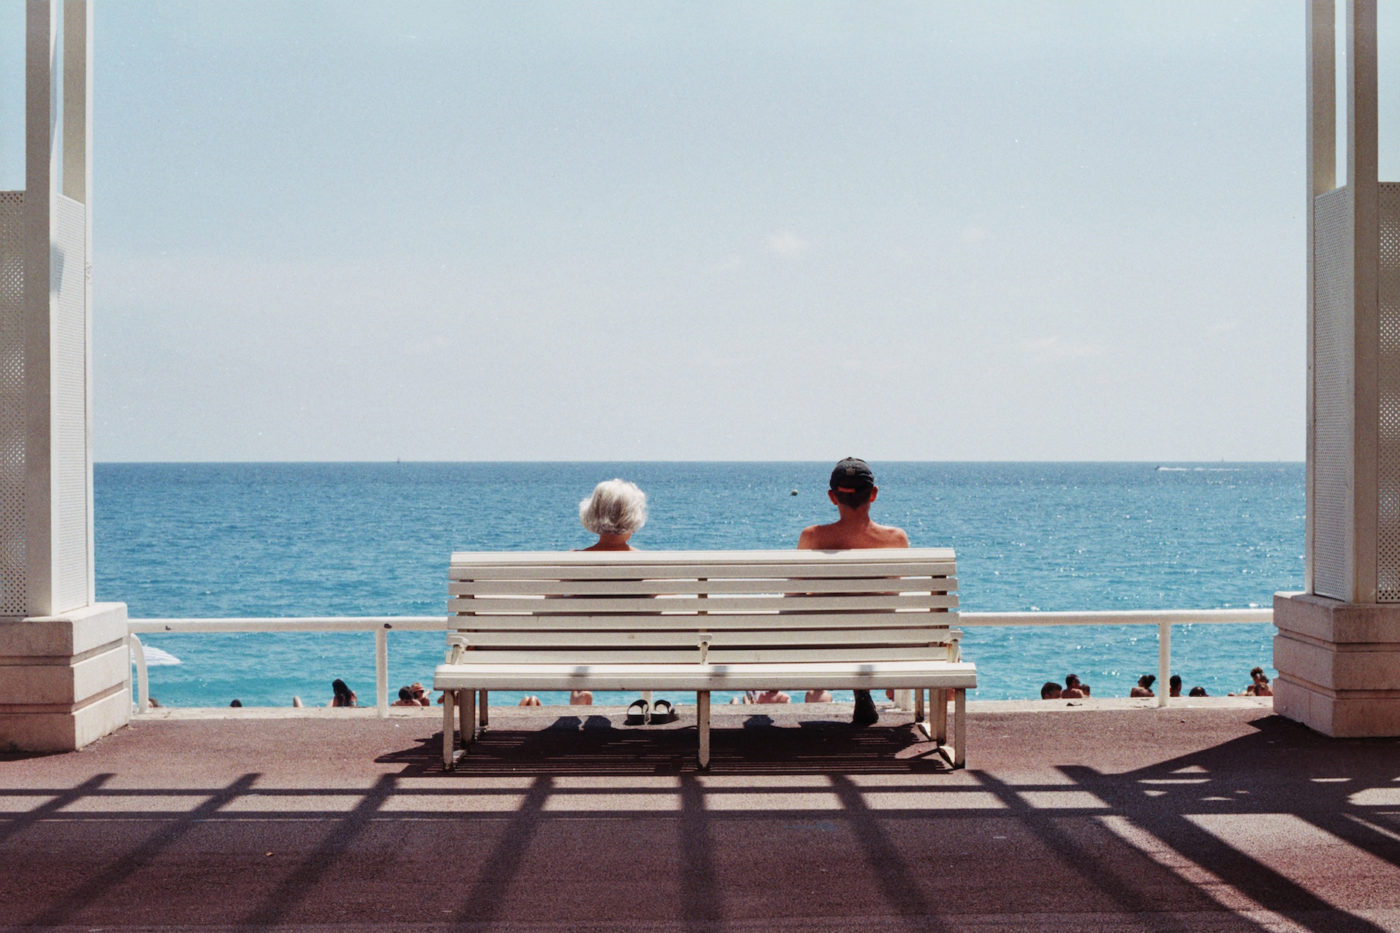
{"x":65,"y":681}
{"x":1338,"y":665}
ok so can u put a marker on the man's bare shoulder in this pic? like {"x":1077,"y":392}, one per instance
{"x":835,"y":537}
{"x":811,"y":538}
{"x":897,"y":537}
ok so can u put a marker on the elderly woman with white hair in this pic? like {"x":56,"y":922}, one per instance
{"x":616,"y":509}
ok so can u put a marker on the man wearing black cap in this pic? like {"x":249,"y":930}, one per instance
{"x":852,"y":491}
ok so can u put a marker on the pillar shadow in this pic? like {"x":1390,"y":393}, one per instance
{"x":281,"y":903}
{"x":1282,"y":769}
{"x":137,"y":859}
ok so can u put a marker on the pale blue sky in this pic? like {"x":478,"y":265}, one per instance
{"x":661,"y":230}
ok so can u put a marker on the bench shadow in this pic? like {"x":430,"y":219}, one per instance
{"x":755,"y":744}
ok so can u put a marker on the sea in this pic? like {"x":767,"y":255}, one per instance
{"x":199,"y":540}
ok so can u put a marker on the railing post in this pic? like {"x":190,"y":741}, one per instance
{"x":381,"y":670}
{"x":143,"y":682}
{"x":1164,"y":662}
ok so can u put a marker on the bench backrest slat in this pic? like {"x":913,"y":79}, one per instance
{"x":686,"y":587}
{"x":674,"y":565}
{"x":855,"y":622}
{"x":775,"y":655}
{"x":718,"y":638}
{"x":692,"y":605}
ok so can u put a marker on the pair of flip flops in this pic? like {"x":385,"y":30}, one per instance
{"x":639,"y":713}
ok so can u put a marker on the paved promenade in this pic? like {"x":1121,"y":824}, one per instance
{"x":1222,"y":818}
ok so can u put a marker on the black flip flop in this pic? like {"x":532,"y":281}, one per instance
{"x":663,"y":711}
{"x":637,"y":713}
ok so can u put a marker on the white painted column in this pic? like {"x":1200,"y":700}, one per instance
{"x":64,"y":672}
{"x":1338,"y":647}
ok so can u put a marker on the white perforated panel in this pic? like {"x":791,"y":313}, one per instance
{"x":1388,"y":466}
{"x":12,"y":406}
{"x":70,"y":454}
{"x":1332,"y":403}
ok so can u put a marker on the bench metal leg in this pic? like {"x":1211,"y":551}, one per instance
{"x":959,"y":728}
{"x":702,"y":722}
{"x":449,"y":698}
{"x":468,"y":726}
{"x":940,"y":716}
{"x":482,"y":695}
{"x":919,"y":705}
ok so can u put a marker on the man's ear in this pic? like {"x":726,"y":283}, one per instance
{"x":874,"y":491}
{"x":831,"y":494}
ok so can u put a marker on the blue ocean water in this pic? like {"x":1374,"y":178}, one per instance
{"x":288,"y":539}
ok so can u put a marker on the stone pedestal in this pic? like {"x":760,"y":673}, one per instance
{"x":64,"y":680}
{"x":1338,"y":665}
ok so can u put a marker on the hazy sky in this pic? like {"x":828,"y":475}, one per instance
{"x":699,"y":230}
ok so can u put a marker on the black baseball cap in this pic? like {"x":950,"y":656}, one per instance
{"x":852,"y":473}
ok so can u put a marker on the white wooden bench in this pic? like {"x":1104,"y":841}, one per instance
{"x":703,"y":621}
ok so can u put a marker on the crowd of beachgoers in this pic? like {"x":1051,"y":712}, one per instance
{"x":415,"y":694}
{"x":1075,"y":689}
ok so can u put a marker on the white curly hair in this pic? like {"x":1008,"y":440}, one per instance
{"x":616,"y":507}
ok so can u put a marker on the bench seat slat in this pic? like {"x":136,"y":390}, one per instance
{"x":650,"y":587}
{"x":528,"y":640}
{"x":646,"y":606}
{"x":537,"y":676}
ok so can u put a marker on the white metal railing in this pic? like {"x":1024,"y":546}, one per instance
{"x":1164,"y":619}
{"x":379,"y":625}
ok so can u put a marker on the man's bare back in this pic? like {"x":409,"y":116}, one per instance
{"x":852,"y":491}
{"x":844,"y":534}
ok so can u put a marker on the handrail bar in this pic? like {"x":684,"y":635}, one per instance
{"x":1164,"y":619}
{"x":290,"y":623}
{"x":379,"y":625}
{"x":1118,"y":617}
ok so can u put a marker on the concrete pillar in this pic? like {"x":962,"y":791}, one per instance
{"x":1338,"y":647}
{"x":64,"y":669}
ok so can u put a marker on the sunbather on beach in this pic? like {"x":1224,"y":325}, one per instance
{"x":1259,"y":686}
{"x":1144,"y":686}
{"x":853,"y":490}
{"x":614,"y":512}
{"x":1050,"y":690}
{"x":342,"y":695}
